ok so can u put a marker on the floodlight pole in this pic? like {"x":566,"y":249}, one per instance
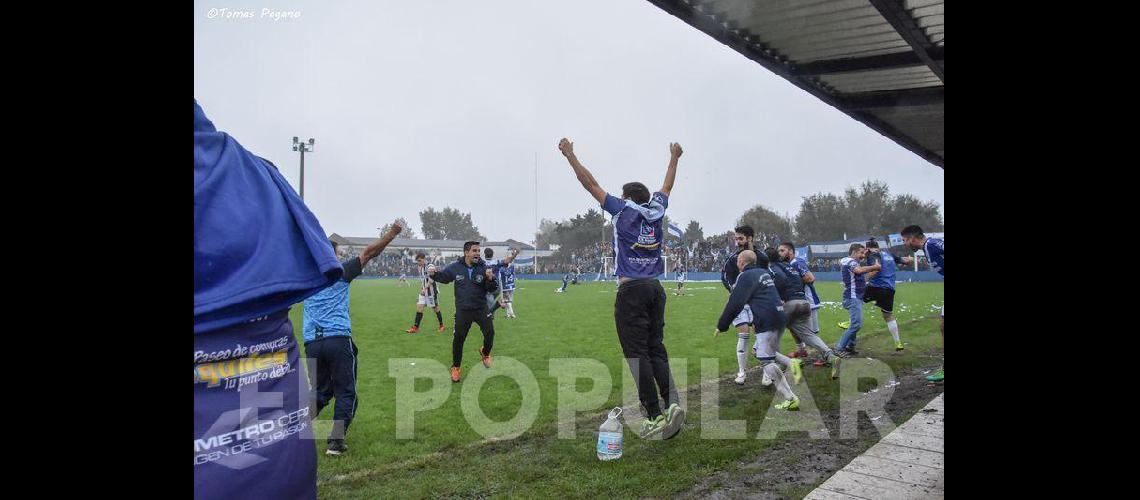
{"x":303,"y":147}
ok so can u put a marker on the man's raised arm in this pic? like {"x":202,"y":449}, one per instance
{"x":584,"y":176}
{"x":510,"y":258}
{"x":374,"y":249}
{"x":671,"y":174}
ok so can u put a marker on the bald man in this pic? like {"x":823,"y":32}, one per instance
{"x":756,"y":288}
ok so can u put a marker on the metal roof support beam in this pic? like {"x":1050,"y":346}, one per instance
{"x":854,"y":64}
{"x":902,"y":98}
{"x":895,"y":13}
{"x":687,"y":14}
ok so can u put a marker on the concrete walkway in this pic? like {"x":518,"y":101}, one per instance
{"x":907,"y":463}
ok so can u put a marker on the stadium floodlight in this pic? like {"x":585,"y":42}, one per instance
{"x":303,"y":148}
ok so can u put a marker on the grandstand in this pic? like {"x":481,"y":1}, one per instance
{"x":703,"y":262}
{"x":399,"y":257}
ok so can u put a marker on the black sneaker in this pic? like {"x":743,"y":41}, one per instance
{"x":336,"y":447}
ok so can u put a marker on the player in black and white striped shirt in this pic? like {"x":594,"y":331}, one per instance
{"x":429,"y":295}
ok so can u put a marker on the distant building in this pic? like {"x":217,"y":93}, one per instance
{"x":444,"y":249}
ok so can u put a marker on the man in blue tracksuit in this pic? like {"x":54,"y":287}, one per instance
{"x":257,"y":251}
{"x":756,"y":288}
{"x":473,"y":281}
{"x":881,"y":286}
{"x":328,"y":341}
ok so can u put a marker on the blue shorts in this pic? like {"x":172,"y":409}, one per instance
{"x":253,"y":434}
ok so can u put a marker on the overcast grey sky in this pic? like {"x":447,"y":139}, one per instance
{"x":445,"y":103}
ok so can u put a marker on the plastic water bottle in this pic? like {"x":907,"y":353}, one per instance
{"x":610,"y":436}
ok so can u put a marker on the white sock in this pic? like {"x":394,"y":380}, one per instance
{"x":801,"y":346}
{"x":777,"y":375}
{"x":893,"y":326}
{"x":741,"y":356}
{"x":783,"y":360}
{"x":511,"y":308}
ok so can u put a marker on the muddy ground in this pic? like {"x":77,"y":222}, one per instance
{"x":794,"y":467}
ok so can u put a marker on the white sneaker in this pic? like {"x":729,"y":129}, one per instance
{"x":740,"y":378}
{"x":766,"y":380}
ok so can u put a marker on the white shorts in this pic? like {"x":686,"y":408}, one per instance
{"x":744,"y":318}
{"x":768,"y":344}
{"x":508,"y":296}
{"x":426,"y":300}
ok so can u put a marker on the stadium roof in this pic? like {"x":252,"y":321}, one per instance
{"x":878,"y":61}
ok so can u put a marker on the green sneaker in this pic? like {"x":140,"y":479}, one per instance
{"x":674,"y":419}
{"x":653,"y":427}
{"x":843,"y":325}
{"x":796,"y":365}
{"x":898,"y":346}
{"x":936,"y":376}
{"x":790,"y":404}
{"x":835,"y":366}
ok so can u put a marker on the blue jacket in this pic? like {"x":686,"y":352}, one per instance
{"x":471,"y":284}
{"x":789,"y":281}
{"x":756,"y":288}
{"x":257,"y":248}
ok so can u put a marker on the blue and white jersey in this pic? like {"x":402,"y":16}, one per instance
{"x":326,"y":313}
{"x":494,"y":265}
{"x":800,"y":264}
{"x":933,"y":248}
{"x":885,"y":278}
{"x":506,"y":277}
{"x":638,"y":235}
{"x":853,"y":284}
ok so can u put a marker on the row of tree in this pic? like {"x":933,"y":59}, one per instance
{"x":869,"y":209}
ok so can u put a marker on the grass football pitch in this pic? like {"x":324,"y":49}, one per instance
{"x":448,"y":456}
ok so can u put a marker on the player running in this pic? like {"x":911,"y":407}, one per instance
{"x":565,"y":281}
{"x":854,"y":286}
{"x":743,"y":321}
{"x":681,"y":275}
{"x":495,"y":266}
{"x":639,"y":309}
{"x":403,"y":280}
{"x":429,"y":295}
{"x":756,"y":287}
{"x":787,"y":252}
{"x":881,"y":286}
{"x":473,"y":281}
{"x":933,"y":248}
{"x":506,"y":276}
{"x":790,"y":285}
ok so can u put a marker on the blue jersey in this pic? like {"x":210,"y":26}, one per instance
{"x":507,"y":277}
{"x":853,"y":284}
{"x":885,"y":278}
{"x":933,"y":248}
{"x":326,"y":313}
{"x":800,"y":265}
{"x":638,"y":235}
{"x":257,"y":248}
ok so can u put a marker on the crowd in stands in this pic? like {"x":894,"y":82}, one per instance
{"x":590,"y":261}
{"x":395,"y":263}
